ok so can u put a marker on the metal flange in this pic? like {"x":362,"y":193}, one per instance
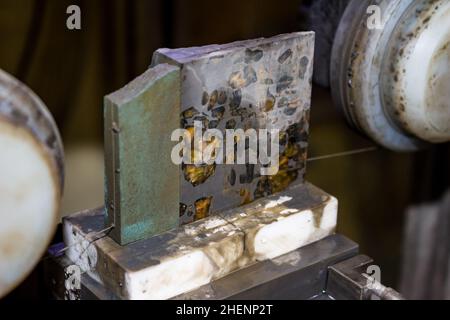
{"x":391,"y":82}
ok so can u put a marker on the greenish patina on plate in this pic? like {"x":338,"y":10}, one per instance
{"x":142,"y":188}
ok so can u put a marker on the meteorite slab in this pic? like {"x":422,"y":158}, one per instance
{"x":142,"y":193}
{"x":186,"y":258}
{"x":258,"y":84}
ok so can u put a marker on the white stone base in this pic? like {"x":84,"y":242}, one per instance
{"x":182,"y":260}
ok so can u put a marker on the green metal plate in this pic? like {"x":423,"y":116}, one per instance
{"x":142,"y":189}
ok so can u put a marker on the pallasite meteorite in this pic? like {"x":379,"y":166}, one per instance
{"x":258,"y":84}
{"x":261,"y":86}
{"x":245,"y":213}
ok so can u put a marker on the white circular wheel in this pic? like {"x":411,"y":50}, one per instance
{"x":391,"y":82}
{"x":31,"y":181}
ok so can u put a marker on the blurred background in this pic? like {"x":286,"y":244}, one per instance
{"x":72,"y":70}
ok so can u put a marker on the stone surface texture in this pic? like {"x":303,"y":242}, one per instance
{"x":186,"y":258}
{"x":258,"y":84}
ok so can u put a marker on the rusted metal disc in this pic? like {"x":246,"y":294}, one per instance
{"x":31,"y":180}
{"x":392,"y":82}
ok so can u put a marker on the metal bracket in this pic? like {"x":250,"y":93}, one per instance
{"x":348,"y":280}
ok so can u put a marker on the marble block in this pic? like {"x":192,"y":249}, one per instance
{"x":186,"y":258}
